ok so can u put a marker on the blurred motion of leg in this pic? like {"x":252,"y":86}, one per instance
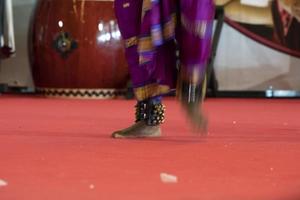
{"x":194,"y":37}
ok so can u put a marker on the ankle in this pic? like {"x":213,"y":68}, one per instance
{"x":151,"y":111}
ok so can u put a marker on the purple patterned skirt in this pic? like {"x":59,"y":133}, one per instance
{"x":154,"y":31}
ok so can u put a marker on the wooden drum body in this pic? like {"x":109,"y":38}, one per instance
{"x":76,"y":49}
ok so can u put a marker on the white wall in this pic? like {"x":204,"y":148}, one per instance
{"x":243,"y":64}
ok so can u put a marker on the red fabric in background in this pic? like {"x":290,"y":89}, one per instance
{"x":61,"y":149}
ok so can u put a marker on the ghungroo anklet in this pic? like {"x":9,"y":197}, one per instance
{"x":140,"y":111}
{"x":155,"y":114}
{"x":152,"y":113}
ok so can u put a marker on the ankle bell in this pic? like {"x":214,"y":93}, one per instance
{"x":140,"y":111}
{"x":152,"y":113}
{"x":156,"y":114}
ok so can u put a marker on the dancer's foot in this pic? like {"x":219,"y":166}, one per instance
{"x":197,"y":118}
{"x":191,"y":95}
{"x":138,"y":130}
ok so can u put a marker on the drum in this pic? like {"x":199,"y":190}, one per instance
{"x":76,"y":49}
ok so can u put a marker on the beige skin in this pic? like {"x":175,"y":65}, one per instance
{"x":138,"y":130}
{"x":296,"y":10}
{"x":221,"y":2}
{"x":292,"y":7}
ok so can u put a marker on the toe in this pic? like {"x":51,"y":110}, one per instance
{"x":117,"y":135}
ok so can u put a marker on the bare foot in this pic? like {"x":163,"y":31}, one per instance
{"x":197,"y":118}
{"x":138,"y":130}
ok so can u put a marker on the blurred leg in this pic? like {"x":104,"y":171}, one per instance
{"x":194,"y":37}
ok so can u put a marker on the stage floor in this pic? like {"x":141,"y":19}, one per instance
{"x":54,"y":149}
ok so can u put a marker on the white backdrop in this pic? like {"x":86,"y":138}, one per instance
{"x":244,"y":64}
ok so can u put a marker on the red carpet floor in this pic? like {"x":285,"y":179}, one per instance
{"x":52,"y":149}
